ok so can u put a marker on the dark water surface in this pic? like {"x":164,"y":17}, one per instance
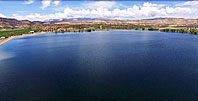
{"x":100,"y":66}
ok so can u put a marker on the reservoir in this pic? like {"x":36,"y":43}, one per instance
{"x":100,"y":66}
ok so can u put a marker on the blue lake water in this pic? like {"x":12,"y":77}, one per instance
{"x":100,"y":66}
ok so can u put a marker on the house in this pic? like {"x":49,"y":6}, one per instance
{"x":31,"y":31}
{"x":2,"y":37}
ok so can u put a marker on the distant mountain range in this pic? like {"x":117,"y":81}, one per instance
{"x":52,"y":21}
{"x":10,"y":23}
{"x":158,"y":18}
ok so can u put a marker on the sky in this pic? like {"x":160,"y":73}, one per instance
{"x":41,"y":10}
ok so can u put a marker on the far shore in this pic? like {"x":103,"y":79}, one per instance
{"x":3,"y":41}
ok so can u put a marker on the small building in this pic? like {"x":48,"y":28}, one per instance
{"x":2,"y":37}
{"x":31,"y":31}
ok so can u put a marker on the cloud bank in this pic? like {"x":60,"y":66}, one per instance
{"x":145,"y":10}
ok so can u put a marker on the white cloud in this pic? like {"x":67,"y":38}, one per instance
{"x":56,"y":2}
{"x":45,"y":3}
{"x":29,"y":1}
{"x":147,"y":4}
{"x":188,"y":3}
{"x":1,"y":15}
{"x":104,"y":4}
{"x":144,"y":11}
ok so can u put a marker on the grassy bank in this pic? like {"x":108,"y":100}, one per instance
{"x":1,"y":40}
{"x":89,"y":28}
{"x":191,"y":31}
{"x":8,"y":34}
{"x":16,"y":32}
{"x":178,"y":30}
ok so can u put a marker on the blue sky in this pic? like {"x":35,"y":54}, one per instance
{"x":51,"y":9}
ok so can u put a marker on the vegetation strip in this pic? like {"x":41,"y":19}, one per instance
{"x":3,"y":41}
{"x":8,"y":35}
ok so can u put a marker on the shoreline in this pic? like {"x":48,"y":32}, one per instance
{"x":3,"y":41}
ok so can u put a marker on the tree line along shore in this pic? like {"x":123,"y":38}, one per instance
{"x":101,"y":27}
{"x":85,"y":28}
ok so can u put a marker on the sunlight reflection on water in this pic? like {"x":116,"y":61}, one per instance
{"x":5,"y":55}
